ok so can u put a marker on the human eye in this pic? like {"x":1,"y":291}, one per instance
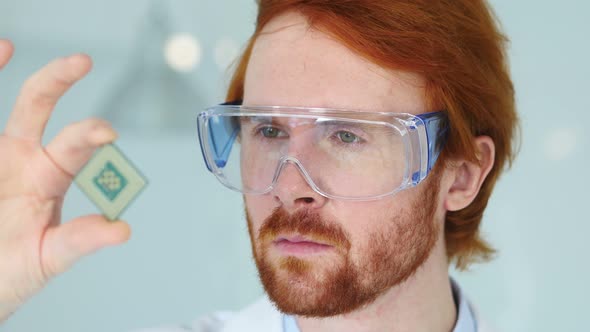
{"x":270,"y":132}
{"x":346,"y":134}
{"x":347,"y":137}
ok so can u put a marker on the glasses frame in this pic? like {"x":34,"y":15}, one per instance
{"x":425,"y":134}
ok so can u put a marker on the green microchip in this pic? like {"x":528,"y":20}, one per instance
{"x":110,"y":181}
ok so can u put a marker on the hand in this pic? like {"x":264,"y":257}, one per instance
{"x":34,"y":245}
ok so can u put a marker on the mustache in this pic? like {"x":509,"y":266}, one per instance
{"x":306,"y":223}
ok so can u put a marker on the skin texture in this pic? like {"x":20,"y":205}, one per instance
{"x":387,"y":264}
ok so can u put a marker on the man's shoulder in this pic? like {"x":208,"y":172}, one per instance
{"x":469,"y":317}
{"x":261,"y":315}
{"x":482,"y":324}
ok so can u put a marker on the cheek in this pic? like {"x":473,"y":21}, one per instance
{"x":361,"y":220}
{"x":259,"y":207}
{"x":369,"y":215}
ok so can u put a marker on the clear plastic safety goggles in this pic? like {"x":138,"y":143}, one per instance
{"x":342,"y":154}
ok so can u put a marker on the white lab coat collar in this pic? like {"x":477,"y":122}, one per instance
{"x":262,"y":315}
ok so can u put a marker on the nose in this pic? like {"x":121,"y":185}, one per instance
{"x":293,"y":191}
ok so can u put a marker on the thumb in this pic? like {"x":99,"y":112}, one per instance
{"x":65,"y":244}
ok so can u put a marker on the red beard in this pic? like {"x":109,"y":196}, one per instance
{"x":321,"y":287}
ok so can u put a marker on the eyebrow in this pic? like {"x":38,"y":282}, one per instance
{"x":280,"y":120}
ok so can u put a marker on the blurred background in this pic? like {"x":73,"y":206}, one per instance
{"x":158,"y":63}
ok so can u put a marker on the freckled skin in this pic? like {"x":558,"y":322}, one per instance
{"x":389,"y":238}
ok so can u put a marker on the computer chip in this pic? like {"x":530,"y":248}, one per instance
{"x":110,"y":181}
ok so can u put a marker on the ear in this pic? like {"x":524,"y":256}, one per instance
{"x":467,"y":177}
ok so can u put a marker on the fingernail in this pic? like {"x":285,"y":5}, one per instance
{"x":5,"y":43}
{"x":73,"y":59}
{"x":77,"y":58}
{"x":104,"y":135}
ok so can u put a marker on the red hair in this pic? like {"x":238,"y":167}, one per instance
{"x":456,"y":45}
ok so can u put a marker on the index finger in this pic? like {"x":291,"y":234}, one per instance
{"x":6,"y":50}
{"x":40,"y":94}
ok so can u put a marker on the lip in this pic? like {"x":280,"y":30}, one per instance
{"x":298,"y":245}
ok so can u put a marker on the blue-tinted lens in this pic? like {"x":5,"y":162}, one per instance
{"x":223,"y":131}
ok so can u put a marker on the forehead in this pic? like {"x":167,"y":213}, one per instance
{"x":294,"y":65}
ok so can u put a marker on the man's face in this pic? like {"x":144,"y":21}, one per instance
{"x":320,"y":257}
